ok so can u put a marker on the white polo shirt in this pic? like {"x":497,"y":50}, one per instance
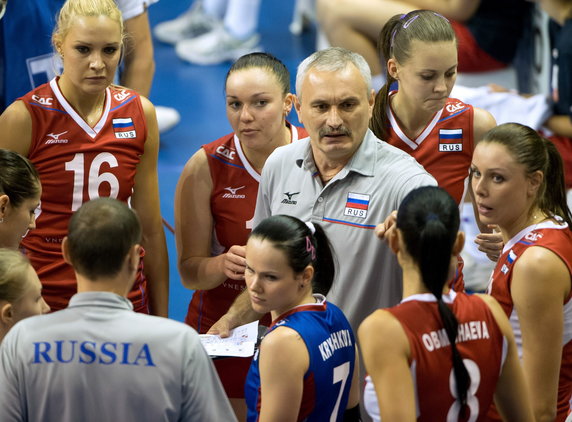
{"x":97,"y":360}
{"x":360,"y":196}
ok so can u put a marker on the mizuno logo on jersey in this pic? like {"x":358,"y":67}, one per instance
{"x":124,"y":128}
{"x":450,"y":140}
{"x":232,"y":193}
{"x":288,"y":200}
{"x":357,"y":205}
{"x":54,"y":138}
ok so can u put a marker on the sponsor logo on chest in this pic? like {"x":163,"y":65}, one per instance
{"x":357,"y":205}
{"x":451,"y":108}
{"x":121,"y":95}
{"x":533,"y":237}
{"x":124,"y":128}
{"x":226,"y":152}
{"x":289,"y":198}
{"x":47,"y":101}
{"x":55,"y":138}
{"x":450,"y":140}
{"x":232,"y":193}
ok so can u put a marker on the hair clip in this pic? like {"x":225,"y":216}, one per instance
{"x":431,"y":217}
{"x":311,"y":226}
{"x":409,"y":21}
{"x":310,"y":248}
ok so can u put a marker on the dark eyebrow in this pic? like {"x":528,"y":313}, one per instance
{"x":111,"y":44}
{"x":343,"y":100}
{"x":349,"y":99}
{"x":435,"y":71}
{"x":317,"y":102}
{"x":256,"y":94}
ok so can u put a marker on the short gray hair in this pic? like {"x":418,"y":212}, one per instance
{"x":330,"y":60}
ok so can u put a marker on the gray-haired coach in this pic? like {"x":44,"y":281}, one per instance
{"x":343,"y":178}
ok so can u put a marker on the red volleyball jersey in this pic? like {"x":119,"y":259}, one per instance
{"x":444,"y":148}
{"x":558,"y":239}
{"x":77,"y":163}
{"x":479,"y":341}
{"x":233,"y":199}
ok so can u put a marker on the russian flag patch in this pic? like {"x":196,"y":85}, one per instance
{"x":124,"y":128}
{"x":450,"y":140}
{"x":511,"y":257}
{"x":357,"y":205}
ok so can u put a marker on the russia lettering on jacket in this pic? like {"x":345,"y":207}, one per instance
{"x":90,"y":352}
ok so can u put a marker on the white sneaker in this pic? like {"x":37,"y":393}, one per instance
{"x":167,"y":118}
{"x":193,"y":23}
{"x":216,"y":46}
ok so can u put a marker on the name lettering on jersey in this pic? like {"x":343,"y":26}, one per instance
{"x":289,"y":196}
{"x":450,"y":140}
{"x":225,"y":152}
{"x":232,"y":193}
{"x":124,"y":128}
{"x":236,"y":287}
{"x":357,"y":205}
{"x":43,"y":100}
{"x":336,"y":341}
{"x":121,"y":95}
{"x":451,"y":108}
{"x":90,"y":352}
{"x":53,"y":239}
{"x":533,"y":237}
{"x":467,"y":331}
{"x":54,"y":138}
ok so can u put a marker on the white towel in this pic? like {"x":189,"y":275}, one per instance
{"x":506,"y":106}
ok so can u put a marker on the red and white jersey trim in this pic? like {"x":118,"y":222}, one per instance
{"x":414,"y":144}
{"x":92,"y":132}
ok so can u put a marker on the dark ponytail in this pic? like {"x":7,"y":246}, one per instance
{"x":536,"y":153}
{"x":304,"y":244}
{"x":395,"y":42}
{"x":379,"y":122}
{"x":428,"y":218}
